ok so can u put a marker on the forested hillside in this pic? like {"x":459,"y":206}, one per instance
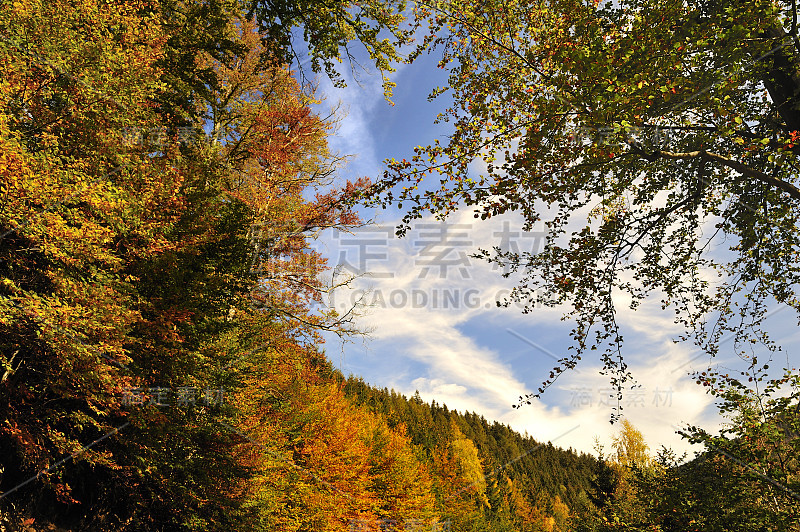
{"x":516,"y":483}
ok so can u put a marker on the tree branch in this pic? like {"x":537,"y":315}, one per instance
{"x":742,"y":168}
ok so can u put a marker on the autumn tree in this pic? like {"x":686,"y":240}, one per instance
{"x":77,"y":204}
{"x":617,"y":495}
{"x":317,"y":463}
{"x":321,"y":461}
{"x":752,"y":459}
{"x":127,"y":251}
{"x":744,"y":478}
{"x":644,"y":135}
{"x":330,"y":33}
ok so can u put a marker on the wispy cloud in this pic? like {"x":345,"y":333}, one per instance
{"x":355,"y":106}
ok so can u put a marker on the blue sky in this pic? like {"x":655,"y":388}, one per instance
{"x":430,"y":313}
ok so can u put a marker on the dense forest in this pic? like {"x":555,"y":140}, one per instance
{"x":163,"y":174}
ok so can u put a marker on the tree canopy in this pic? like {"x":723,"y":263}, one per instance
{"x":656,"y":140}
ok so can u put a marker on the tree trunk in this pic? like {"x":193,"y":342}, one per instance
{"x":782,"y":79}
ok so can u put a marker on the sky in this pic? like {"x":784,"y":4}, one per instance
{"x":429,"y":308}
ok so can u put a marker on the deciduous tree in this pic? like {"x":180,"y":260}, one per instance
{"x":656,"y":141}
